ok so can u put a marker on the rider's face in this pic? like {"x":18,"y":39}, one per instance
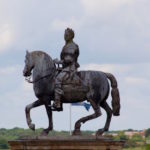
{"x":67,"y":36}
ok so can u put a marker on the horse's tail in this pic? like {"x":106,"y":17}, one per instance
{"x":115,"y":94}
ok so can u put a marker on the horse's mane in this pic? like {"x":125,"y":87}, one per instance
{"x":43,"y":58}
{"x":39,"y":53}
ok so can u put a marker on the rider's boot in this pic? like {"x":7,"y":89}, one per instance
{"x":57,"y":105}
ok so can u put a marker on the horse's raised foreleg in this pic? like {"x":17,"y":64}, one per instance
{"x":96,"y":114}
{"x":108,"y":110}
{"x":50,"y":118}
{"x":27,"y":111}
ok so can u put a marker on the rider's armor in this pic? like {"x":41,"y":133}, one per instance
{"x":69,"y":57}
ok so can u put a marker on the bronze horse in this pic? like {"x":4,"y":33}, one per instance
{"x":43,"y":70}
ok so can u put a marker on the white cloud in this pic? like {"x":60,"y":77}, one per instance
{"x":9,"y":70}
{"x":107,"y":67}
{"x":136,"y":81}
{"x":103,"y":7}
{"x":60,"y":25}
{"x":6,"y":37}
{"x":27,"y":86}
{"x":137,"y":70}
{"x":118,"y":28}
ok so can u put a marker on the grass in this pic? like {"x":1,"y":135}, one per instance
{"x":137,"y":148}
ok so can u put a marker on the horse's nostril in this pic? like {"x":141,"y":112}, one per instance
{"x":24,"y":74}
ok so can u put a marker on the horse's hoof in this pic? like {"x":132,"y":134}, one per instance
{"x":44,"y":132}
{"x":76,"y":132}
{"x":32,"y":127}
{"x":99,"y":132}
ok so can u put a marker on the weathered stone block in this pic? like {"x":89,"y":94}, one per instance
{"x":68,"y":143}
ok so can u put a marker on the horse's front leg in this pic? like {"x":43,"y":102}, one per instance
{"x":47,"y":103}
{"x":50,"y":119}
{"x":27,"y":111}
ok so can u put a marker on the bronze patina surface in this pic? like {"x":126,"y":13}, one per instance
{"x":65,"y":84}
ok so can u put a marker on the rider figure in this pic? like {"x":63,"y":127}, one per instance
{"x":69,"y":60}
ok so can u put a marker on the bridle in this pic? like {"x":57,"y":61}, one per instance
{"x":51,"y":75}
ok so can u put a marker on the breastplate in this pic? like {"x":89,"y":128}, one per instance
{"x":69,"y":53}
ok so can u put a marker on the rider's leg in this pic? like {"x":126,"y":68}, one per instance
{"x":58,"y":95}
{"x":58,"y":90}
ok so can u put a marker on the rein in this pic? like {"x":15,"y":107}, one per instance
{"x":28,"y":79}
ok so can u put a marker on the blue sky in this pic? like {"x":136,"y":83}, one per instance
{"x":113,"y":36}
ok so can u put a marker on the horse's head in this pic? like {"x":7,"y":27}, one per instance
{"x":29,"y":64}
{"x":40,"y":62}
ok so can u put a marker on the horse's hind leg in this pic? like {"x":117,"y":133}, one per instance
{"x":96,"y":114}
{"x":108,"y":110}
{"x":27,"y":111}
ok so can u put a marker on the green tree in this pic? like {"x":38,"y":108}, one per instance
{"x":147,"y":132}
{"x":137,"y":138}
{"x":122,"y":136}
{"x":147,"y":147}
{"x":3,"y":144}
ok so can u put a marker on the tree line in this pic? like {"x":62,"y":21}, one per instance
{"x":20,"y":133}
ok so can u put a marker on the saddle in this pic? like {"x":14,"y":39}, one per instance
{"x":74,"y":84}
{"x":74,"y":89}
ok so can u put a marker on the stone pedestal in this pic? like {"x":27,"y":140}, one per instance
{"x":68,"y":143}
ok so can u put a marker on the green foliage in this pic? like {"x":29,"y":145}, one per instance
{"x":147,"y":132}
{"x":3,"y":143}
{"x":14,"y":134}
{"x":147,"y":147}
{"x":121,"y":136}
{"x":136,"y":148}
{"x":135,"y":141}
{"x":137,"y":138}
{"x":20,"y":133}
{"x":148,"y":138}
{"x":130,"y":143}
{"x":130,"y":130}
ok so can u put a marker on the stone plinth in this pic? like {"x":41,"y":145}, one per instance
{"x":68,"y":143}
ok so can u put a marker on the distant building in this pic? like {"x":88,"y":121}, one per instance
{"x":131,"y":133}
{"x":127,"y":133}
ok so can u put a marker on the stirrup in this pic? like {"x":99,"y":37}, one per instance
{"x":54,"y":108}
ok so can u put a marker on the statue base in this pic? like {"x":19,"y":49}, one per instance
{"x":66,"y":143}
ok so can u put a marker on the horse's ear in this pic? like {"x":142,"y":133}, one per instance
{"x":27,"y":52}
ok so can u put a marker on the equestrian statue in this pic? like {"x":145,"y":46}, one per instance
{"x":61,"y":82}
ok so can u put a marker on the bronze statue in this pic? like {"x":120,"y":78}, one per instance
{"x":69,"y":85}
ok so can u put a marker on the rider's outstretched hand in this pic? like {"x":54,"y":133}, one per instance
{"x":56,"y":61}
